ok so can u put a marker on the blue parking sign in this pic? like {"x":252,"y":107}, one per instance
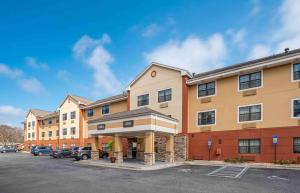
{"x":275,"y":139}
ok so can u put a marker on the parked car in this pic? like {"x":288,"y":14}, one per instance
{"x":62,"y":153}
{"x":32,"y":149}
{"x":8,"y":149}
{"x":42,"y":150}
{"x":84,"y":153}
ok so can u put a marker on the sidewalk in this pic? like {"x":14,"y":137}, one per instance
{"x":128,"y":165}
{"x":250,"y":165}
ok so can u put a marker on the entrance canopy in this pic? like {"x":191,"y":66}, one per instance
{"x":133,"y":122}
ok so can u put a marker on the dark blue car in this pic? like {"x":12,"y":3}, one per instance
{"x":42,"y":150}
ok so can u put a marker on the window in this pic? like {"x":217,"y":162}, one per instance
{"x":73,"y":130}
{"x":57,"y":121}
{"x":33,"y":124}
{"x":90,"y":112}
{"x":207,"y":118}
{"x":33,"y":134}
{"x":164,"y":95}
{"x":73,"y":115}
{"x":296,"y":108}
{"x":105,"y":109}
{"x":249,"y":146}
{"x":296,"y":145}
{"x":28,"y":135}
{"x":206,"y":89}
{"x":57,"y":132}
{"x":50,"y":122}
{"x":128,"y":123}
{"x":64,"y":117}
{"x":43,"y":134}
{"x":250,"y":113}
{"x":65,"y":131}
{"x":143,"y":100}
{"x":296,"y":71}
{"x":100,"y":126}
{"x":49,"y":133}
{"x":43,"y":123}
{"x":29,"y":124}
{"x":252,"y":80}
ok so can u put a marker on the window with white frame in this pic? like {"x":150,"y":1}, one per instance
{"x":28,"y":135}
{"x":43,"y":134}
{"x":143,"y":100}
{"x":65,"y":131}
{"x":206,"y":89}
{"x":33,"y":124}
{"x":33,"y":135}
{"x":73,"y":130}
{"x":73,"y":115}
{"x":296,"y":71}
{"x":29,"y":124}
{"x":49,"y":133}
{"x":90,"y":112}
{"x":248,"y":81}
{"x":64,"y":117}
{"x":250,"y":113}
{"x":296,"y":108}
{"x":105,"y":109}
{"x":207,"y":118}
{"x":50,"y":121}
{"x":57,"y":132}
{"x":249,"y":146}
{"x":296,"y":145}
{"x":165,"y":95}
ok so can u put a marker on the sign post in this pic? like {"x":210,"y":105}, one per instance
{"x":209,"y":147}
{"x":275,"y":142}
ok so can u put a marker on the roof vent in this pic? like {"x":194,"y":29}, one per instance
{"x":286,"y":50}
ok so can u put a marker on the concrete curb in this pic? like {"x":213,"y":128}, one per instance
{"x":250,"y":165}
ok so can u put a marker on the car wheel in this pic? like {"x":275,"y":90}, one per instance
{"x":85,"y":157}
{"x":40,"y":153}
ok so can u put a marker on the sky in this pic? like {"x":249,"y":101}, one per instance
{"x":49,"y":49}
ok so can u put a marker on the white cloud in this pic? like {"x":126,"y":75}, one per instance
{"x":11,"y":73}
{"x":256,"y":7}
{"x":238,"y":36}
{"x":151,"y":30}
{"x":11,"y":115}
{"x":33,"y":63}
{"x":64,"y":75}
{"x":259,"y":51}
{"x":193,"y":53}
{"x":93,"y":54}
{"x":32,"y":85}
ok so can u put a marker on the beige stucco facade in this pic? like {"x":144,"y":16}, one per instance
{"x":68,"y":106}
{"x":275,"y":95}
{"x":46,"y":127}
{"x":164,"y":79}
{"x":32,"y":129}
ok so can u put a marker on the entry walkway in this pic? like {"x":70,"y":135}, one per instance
{"x":129,"y":164}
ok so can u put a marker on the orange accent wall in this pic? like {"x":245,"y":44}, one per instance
{"x":198,"y":147}
{"x":184,"y":105}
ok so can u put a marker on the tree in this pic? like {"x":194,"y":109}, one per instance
{"x":9,"y":135}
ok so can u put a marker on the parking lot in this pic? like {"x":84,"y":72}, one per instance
{"x":21,"y":172}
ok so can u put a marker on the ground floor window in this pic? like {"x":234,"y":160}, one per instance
{"x":296,"y":145}
{"x":249,"y":146}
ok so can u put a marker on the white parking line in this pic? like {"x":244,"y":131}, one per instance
{"x":217,"y":170}
{"x":229,"y":172}
{"x":242,"y":172}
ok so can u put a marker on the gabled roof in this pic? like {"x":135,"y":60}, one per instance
{"x":50,"y":115}
{"x":182,"y":71}
{"x":38,"y":112}
{"x":78,"y":100}
{"x":280,"y":58}
{"x":130,"y":114}
{"x":116,"y":98}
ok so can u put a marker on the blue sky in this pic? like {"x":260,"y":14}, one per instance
{"x":49,"y":49}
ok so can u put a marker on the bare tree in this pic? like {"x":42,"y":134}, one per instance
{"x":10,"y":135}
